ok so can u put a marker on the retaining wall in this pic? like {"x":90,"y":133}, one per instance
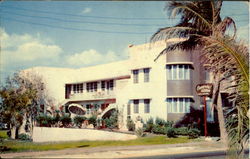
{"x":44,"y":134}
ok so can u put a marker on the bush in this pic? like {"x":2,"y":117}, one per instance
{"x":92,"y":120}
{"x":66,"y":120}
{"x":78,"y":120}
{"x":170,"y":131}
{"x":157,"y":129}
{"x":44,"y":120}
{"x":140,"y":132}
{"x":182,"y":131}
{"x":112,"y":121}
{"x":149,"y":125}
{"x":168,"y":123}
{"x":24,"y":137}
{"x":130,"y":125}
{"x":159,"y":121}
{"x":193,"y":133}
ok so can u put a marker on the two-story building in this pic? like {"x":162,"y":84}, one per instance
{"x":142,"y":86}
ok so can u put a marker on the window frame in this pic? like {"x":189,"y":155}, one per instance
{"x":146,"y":72}
{"x":174,"y":105}
{"x":136,"y":106}
{"x":135,"y":76}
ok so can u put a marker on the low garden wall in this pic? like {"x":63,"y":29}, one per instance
{"x":45,"y":134}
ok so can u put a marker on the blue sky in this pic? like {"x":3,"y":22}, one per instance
{"x":77,"y":34}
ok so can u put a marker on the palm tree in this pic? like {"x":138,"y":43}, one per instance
{"x":201,"y":25}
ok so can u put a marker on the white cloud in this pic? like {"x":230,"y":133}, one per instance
{"x":90,"y":57}
{"x":86,"y":10}
{"x":25,"y":48}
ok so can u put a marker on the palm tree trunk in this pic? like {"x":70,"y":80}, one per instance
{"x":221,"y":118}
{"x":218,"y":100}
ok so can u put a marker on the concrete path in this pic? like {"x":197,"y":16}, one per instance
{"x":123,"y":151}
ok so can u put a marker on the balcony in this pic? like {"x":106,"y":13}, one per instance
{"x":93,"y":95}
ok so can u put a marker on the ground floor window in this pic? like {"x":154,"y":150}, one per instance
{"x":136,"y":106}
{"x":178,"y":105}
{"x":146,"y":106}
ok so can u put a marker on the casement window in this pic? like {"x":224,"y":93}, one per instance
{"x":111,"y":84}
{"x":92,"y":86}
{"x":103,"y":85}
{"x":136,"y":106}
{"x":78,"y":88}
{"x":135,"y":75}
{"x":146,"y":74}
{"x":178,"y":105}
{"x":178,"y":72}
{"x":146,"y":105}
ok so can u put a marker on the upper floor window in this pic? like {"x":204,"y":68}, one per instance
{"x":103,"y":85}
{"x":136,"y":106}
{"x":178,"y":105}
{"x":91,"y":86}
{"x":146,"y":105}
{"x":111,"y":84}
{"x":146,"y":74}
{"x":178,"y":72}
{"x":135,"y":75}
{"x":78,"y":88}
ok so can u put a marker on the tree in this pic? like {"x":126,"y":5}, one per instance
{"x":201,"y":25}
{"x":16,"y":101}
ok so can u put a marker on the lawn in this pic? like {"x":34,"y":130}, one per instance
{"x":18,"y":146}
{"x":3,"y":134}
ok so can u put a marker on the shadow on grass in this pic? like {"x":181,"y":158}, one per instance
{"x":82,"y":146}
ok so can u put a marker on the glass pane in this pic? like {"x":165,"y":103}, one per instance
{"x":169,"y":75}
{"x":174,"y":71}
{"x":169,"y":105}
{"x":187,"y":105}
{"x":175,"y":105}
{"x":181,"y":110}
{"x":181,"y":71}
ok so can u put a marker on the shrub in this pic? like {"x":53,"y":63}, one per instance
{"x":130,"y":125}
{"x":44,"y":120}
{"x":170,"y":131}
{"x":24,"y":137}
{"x":157,"y":129}
{"x":159,"y":121}
{"x":149,"y":125}
{"x":168,"y":123}
{"x":92,"y":120}
{"x":78,"y":120}
{"x":182,"y":131}
{"x":140,"y":132}
{"x":66,"y":120}
{"x":193,"y":133}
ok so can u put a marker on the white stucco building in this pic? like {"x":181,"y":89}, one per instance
{"x":139,"y":86}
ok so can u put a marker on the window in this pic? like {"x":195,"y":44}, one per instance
{"x":178,"y":105}
{"x":111,"y":84}
{"x":78,"y":88}
{"x":146,"y":105}
{"x":103,"y":85}
{"x":92,"y":86}
{"x":135,"y":75}
{"x":136,"y":106}
{"x":146,"y":74}
{"x":95,"y":86}
{"x":178,"y":72}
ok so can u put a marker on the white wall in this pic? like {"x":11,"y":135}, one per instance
{"x":43,"y":134}
{"x":143,"y":56}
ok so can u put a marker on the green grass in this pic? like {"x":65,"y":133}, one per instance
{"x":18,"y":146}
{"x":3,"y":134}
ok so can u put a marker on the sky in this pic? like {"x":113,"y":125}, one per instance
{"x":83,"y":33}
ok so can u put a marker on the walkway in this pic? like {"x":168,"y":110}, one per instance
{"x":123,"y":151}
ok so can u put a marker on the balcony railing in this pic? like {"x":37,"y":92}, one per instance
{"x":93,"y":95}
